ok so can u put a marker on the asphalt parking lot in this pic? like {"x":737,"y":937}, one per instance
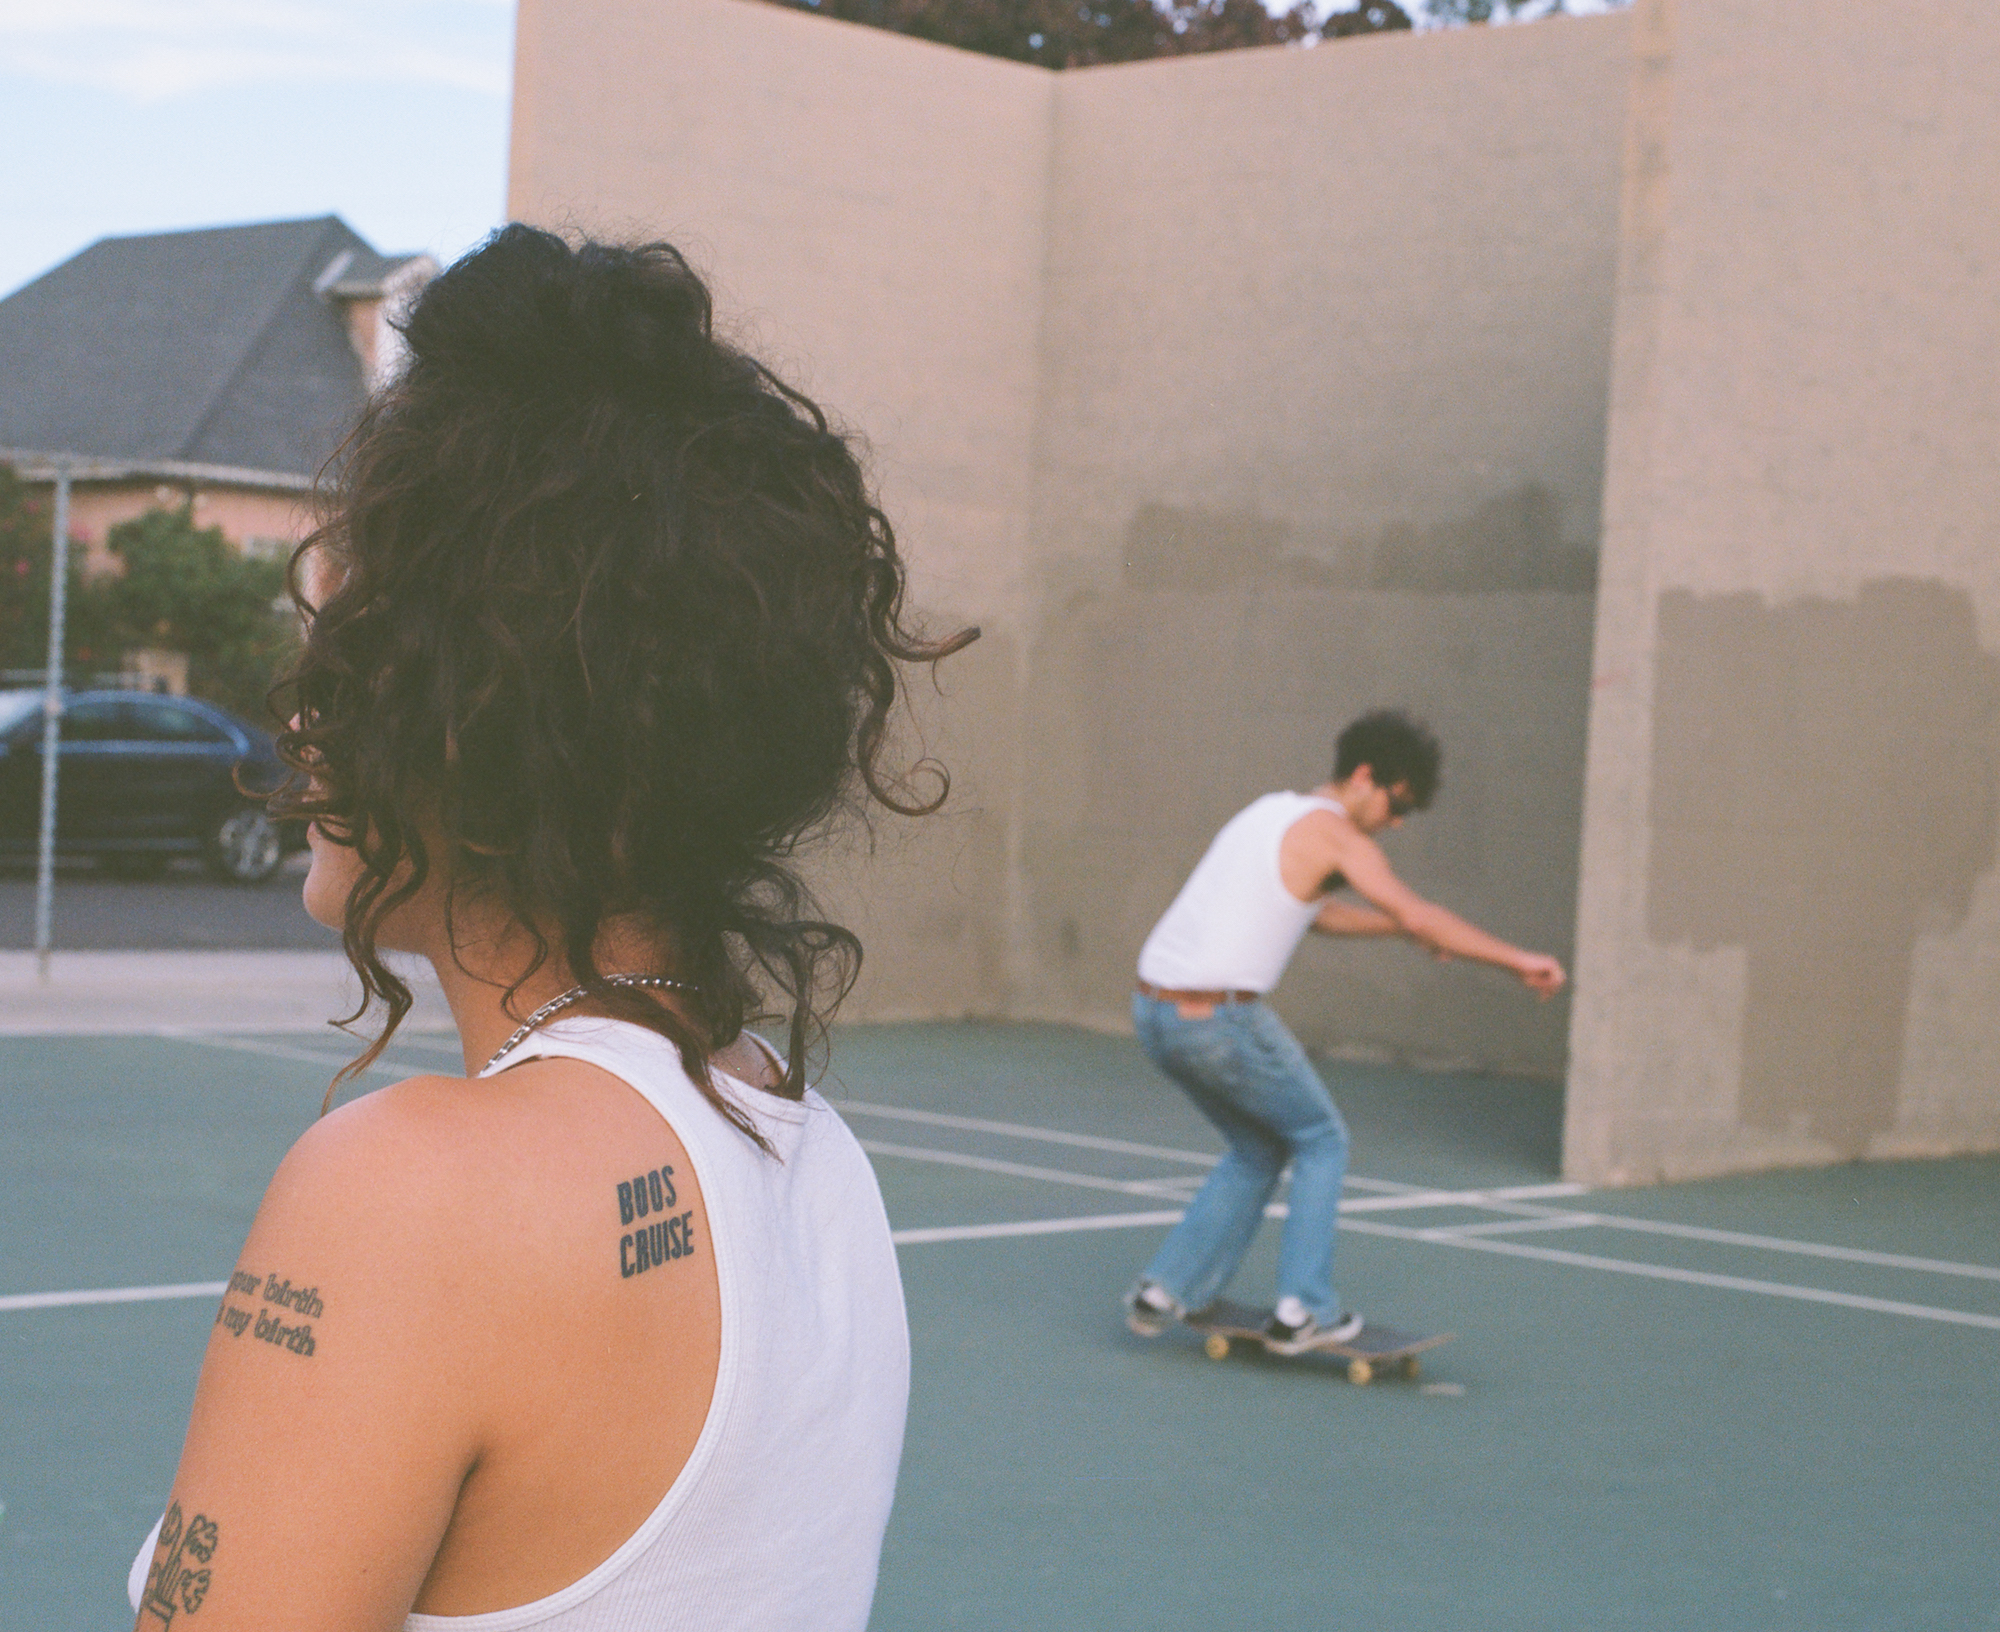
{"x":185,"y":909}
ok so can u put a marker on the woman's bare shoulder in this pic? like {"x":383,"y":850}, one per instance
{"x":431,"y":1157}
{"x":401,"y":1153}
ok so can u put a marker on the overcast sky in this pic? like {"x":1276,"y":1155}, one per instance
{"x":124,"y":116}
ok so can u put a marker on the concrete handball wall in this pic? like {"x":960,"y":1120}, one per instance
{"x":1324,"y":365}
{"x":870,"y":210}
{"x":1231,"y":396}
{"x":1790,"y":921}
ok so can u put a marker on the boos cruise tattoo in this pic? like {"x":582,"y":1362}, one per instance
{"x":663,"y":1241}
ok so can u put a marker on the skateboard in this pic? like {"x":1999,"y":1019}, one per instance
{"x":1374,"y":1352}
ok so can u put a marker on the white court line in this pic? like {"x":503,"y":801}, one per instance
{"x":115,"y":1294}
{"x":902,"y":1238}
{"x":1515,"y":1200}
{"x":1172,"y":1189}
{"x":1512,"y":1199}
{"x":1034,"y":1226}
{"x":1546,"y":1217}
{"x":283,"y":1051}
{"x":1515,"y":1226}
{"x":437,"y":1043}
{"x":1412,"y":1199}
{"x":1689,"y":1277}
{"x":1015,"y":1130}
{"x":1018,"y":1170}
{"x":1406,"y":1200}
{"x":1506,"y":1201}
{"x":1122,"y":1147}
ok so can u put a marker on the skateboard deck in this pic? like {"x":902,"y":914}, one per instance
{"x":1375,"y":1351}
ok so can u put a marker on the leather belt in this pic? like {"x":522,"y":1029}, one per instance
{"x":1172,"y":994}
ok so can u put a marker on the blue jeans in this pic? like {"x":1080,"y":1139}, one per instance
{"x":1247,"y":1074}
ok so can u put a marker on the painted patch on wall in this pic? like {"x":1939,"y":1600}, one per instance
{"x":1823,"y":792}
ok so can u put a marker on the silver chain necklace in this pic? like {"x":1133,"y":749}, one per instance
{"x":556,"y":1004}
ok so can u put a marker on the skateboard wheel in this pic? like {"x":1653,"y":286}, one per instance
{"x":1216,"y":1346}
{"x":1360,"y":1371}
{"x":1410,"y":1366}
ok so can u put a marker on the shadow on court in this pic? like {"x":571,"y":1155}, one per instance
{"x":1752,"y":1403}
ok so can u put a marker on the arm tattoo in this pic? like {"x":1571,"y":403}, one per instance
{"x":178,"y":1579}
{"x":279,"y":1298}
{"x":666,"y":1238}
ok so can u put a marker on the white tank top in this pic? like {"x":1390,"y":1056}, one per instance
{"x":776,"y":1521}
{"x":1235,"y":926}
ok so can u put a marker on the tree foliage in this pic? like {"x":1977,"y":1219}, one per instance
{"x":26,"y":553}
{"x":1078,"y":33}
{"x":183,"y":587}
{"x":1447,"y":13}
{"x":186,"y":588}
{"x":1369,"y":17}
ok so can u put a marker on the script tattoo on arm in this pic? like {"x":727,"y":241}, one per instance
{"x":178,"y":1579}
{"x":265,"y":1318}
{"x":668,"y":1237}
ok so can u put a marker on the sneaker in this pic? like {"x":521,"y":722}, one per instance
{"x":1150,"y":1310}
{"x":1292,"y":1330}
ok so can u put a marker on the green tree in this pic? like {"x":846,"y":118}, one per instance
{"x":1077,"y":33}
{"x":1368,"y":17}
{"x":187,"y":589}
{"x":27,"y":549}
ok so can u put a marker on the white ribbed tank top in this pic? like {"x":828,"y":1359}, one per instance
{"x":1235,"y":926}
{"x":776,"y":1521}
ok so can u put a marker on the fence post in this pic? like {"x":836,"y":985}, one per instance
{"x":52,"y":707}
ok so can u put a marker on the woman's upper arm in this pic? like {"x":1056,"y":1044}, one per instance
{"x":335,"y":1418}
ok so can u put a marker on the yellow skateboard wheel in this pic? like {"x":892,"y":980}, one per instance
{"x":1216,"y":1346}
{"x":1360,"y":1371}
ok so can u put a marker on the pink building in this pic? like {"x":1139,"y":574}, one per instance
{"x":218,"y":367}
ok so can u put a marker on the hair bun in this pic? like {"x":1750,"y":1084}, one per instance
{"x":526,"y":313}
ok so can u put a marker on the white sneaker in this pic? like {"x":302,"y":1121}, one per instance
{"x":1150,"y":1310}
{"x":1295,"y":1336}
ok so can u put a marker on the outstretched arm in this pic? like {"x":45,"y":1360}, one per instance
{"x":1351,"y":918}
{"x":1340,"y":847}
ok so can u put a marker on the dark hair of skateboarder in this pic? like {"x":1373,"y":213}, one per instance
{"x":605,"y":1331}
{"x":1285,"y":864}
{"x":1399,"y":752}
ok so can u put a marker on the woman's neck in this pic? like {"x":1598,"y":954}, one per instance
{"x":476,"y":973}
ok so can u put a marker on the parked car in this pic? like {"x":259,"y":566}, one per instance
{"x":141,"y":779}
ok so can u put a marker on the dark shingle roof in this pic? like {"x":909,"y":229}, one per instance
{"x":210,"y":347}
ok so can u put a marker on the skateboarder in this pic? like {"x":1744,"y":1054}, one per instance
{"x":1268,"y":877}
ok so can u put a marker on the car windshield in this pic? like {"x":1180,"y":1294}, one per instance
{"x":16,"y":706}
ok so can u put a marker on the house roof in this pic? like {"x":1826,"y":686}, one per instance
{"x":225,"y":347}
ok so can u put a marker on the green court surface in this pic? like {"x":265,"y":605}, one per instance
{"x":1770,"y":1402}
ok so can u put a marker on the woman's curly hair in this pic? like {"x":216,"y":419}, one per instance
{"x":613,"y":623}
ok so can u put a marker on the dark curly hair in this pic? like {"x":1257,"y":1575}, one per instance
{"x":615,"y":623}
{"x":1396,"y":749}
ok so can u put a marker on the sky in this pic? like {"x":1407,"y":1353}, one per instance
{"x":128,"y":116}
{"x":131,"y":116}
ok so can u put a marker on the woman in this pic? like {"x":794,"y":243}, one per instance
{"x":605,"y":1333}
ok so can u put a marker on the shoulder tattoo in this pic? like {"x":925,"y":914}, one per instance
{"x":663,"y":1236}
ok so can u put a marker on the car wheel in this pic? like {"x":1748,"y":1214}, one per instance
{"x":136,"y":867}
{"x":244,"y":847}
